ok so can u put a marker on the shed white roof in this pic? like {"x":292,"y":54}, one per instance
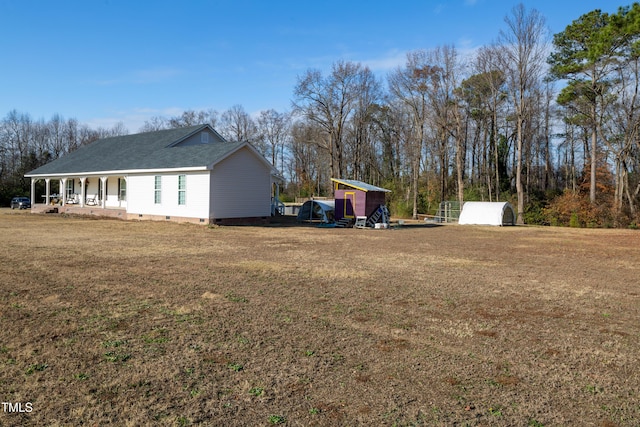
{"x":359,"y":185}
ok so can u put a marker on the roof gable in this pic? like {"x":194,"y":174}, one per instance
{"x":205,"y":135}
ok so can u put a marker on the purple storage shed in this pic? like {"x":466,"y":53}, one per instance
{"x":356,"y":198}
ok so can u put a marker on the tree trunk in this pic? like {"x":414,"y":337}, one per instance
{"x":519,"y":189}
{"x":414,"y":177}
{"x":460,"y":157}
{"x":494,"y":141}
{"x":332,"y":163}
{"x":592,"y":184}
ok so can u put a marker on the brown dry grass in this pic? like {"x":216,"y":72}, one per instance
{"x":107,"y":322}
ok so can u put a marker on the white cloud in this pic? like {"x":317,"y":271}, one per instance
{"x":164,"y":112}
{"x":133,"y":119}
{"x":390,"y":61}
{"x":466,"y":48}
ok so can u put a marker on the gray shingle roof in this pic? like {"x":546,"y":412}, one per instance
{"x":150,"y":150}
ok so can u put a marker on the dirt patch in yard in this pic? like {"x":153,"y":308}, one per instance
{"x":137,"y":323}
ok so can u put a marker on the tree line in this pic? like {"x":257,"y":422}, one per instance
{"x":26,"y":144}
{"x":549,"y":123}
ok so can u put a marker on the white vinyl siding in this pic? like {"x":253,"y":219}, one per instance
{"x":140,"y":200}
{"x":241,"y":187}
{"x":238,"y":186}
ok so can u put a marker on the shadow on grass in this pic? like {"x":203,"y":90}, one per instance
{"x":292,"y":221}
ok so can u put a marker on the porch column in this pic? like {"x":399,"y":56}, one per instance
{"x":47,"y":187}
{"x":33,"y":192}
{"x":63,"y":190}
{"x":103,"y":195}
{"x":82,"y":190}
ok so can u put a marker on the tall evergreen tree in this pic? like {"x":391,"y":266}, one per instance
{"x":584,"y":53}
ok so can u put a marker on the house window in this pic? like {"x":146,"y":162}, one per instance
{"x":122,"y":189}
{"x":182,"y":189}
{"x":204,"y":138}
{"x":158,"y":190}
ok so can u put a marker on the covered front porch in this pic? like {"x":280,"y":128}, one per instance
{"x":79,"y":192}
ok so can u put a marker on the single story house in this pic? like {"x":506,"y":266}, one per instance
{"x":187,"y":174}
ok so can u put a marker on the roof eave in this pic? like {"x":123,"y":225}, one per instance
{"x":120,"y":172}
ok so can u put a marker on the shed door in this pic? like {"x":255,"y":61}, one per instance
{"x":349,"y":204}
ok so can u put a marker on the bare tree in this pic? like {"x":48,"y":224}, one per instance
{"x":237,"y":125}
{"x":192,"y":118}
{"x":155,"y":123}
{"x":187,"y":118}
{"x":409,"y":85}
{"x":447,"y":113}
{"x":360,"y":144}
{"x":386,"y":119}
{"x":118,"y":129}
{"x":492,"y":81}
{"x":309,"y":163}
{"x":273,"y":131}
{"x":330,"y":102}
{"x":524,"y":45}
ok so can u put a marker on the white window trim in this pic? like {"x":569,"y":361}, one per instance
{"x":157,"y":188}
{"x":182,"y":189}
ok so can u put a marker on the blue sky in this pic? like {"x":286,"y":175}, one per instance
{"x":109,"y":61}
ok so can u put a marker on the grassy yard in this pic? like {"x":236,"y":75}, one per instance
{"x":107,"y":322}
